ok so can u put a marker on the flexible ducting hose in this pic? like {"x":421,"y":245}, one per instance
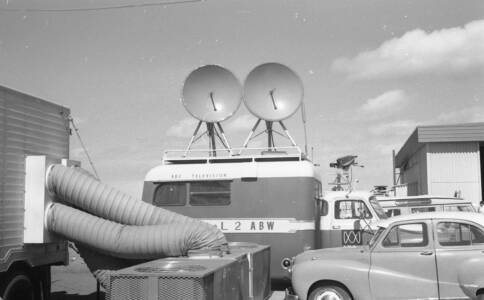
{"x":114,"y":224}
{"x":127,"y":241}
{"x":79,"y":189}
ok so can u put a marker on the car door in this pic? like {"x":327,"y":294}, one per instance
{"x":346,"y":220}
{"x":457,"y":243}
{"x":403,"y":263}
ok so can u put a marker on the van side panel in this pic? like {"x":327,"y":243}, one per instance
{"x":260,"y":204}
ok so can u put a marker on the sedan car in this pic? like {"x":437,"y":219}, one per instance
{"x":419,"y":256}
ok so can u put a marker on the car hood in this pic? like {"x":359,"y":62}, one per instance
{"x":346,"y":253}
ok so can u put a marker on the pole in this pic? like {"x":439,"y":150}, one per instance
{"x":394,"y":173}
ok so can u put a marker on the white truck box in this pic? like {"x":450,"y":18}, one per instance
{"x":28,"y":126}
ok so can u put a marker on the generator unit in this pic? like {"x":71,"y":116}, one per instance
{"x":178,"y":279}
{"x":259,"y":257}
{"x":241,"y":274}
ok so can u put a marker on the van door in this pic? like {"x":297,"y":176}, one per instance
{"x":346,"y":222}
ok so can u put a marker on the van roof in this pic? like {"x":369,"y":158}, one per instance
{"x":454,"y":215}
{"x":231,"y":170}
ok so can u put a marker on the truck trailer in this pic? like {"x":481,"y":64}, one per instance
{"x":28,"y":126}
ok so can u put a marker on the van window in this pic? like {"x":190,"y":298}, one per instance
{"x":351,"y":209}
{"x":170,"y":194}
{"x":210,"y":193}
{"x":377,"y":207}
{"x":407,"y":235}
{"x":458,"y":208}
{"x":392,"y":212}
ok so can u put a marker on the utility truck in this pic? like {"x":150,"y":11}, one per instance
{"x":28,"y":126}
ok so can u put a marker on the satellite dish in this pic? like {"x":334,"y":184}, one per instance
{"x":273,"y":92}
{"x":211,"y":94}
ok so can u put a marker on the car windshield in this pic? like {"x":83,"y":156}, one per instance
{"x":375,"y":236}
{"x":378,"y":209}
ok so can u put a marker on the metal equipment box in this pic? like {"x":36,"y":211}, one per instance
{"x":259,"y":257}
{"x":178,"y":279}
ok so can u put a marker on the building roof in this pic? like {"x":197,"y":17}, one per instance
{"x":469,"y":132}
{"x":454,"y":215}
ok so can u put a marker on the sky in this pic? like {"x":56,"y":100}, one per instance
{"x":372,"y":71}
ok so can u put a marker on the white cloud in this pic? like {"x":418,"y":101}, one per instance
{"x":183,"y":129}
{"x":465,"y":115}
{"x":448,"y":51}
{"x":400,"y":127}
{"x":388,"y":102}
{"x":386,"y":149}
{"x":241,"y":123}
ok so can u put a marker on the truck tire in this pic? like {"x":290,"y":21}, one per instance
{"x":329,"y":292}
{"x":17,"y":285}
{"x":41,"y":278}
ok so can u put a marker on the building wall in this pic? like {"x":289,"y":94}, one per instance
{"x":454,"y":167}
{"x":414,"y":174}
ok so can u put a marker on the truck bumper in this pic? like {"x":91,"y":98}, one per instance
{"x":290,"y":295}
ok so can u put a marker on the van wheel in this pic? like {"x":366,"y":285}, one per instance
{"x":329,"y":292}
{"x":17,"y":286}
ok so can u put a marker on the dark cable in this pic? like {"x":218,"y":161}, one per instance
{"x":172,"y":2}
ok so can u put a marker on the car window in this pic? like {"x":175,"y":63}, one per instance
{"x":170,"y":194}
{"x":422,"y":209}
{"x":458,"y":234}
{"x":406,"y":235}
{"x":351,"y":209}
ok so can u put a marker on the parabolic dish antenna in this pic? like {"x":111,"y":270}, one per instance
{"x":273,"y":92}
{"x":211,"y":94}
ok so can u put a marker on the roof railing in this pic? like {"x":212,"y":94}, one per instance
{"x":233,"y":155}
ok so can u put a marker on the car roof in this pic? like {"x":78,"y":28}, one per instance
{"x":450,"y":215}
{"x":419,"y":197}
{"x":328,"y":195}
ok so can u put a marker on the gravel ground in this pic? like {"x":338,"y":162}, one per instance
{"x":75,"y":282}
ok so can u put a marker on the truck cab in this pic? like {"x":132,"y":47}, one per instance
{"x":345,"y":215}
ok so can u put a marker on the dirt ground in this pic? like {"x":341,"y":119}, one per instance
{"x":75,"y":282}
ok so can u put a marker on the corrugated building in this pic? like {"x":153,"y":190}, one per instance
{"x":444,"y":160}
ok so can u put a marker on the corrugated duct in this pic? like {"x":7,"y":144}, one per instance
{"x":115,"y":224}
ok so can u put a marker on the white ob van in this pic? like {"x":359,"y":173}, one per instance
{"x":401,"y":205}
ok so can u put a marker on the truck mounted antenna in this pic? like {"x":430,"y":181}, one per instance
{"x":273,"y":93}
{"x":211,"y":94}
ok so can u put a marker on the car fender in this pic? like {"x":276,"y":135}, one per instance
{"x":470,"y":276}
{"x":353,"y":276}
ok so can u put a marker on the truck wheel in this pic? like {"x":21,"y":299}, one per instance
{"x":41,"y":280}
{"x":329,"y":292}
{"x":17,"y":286}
